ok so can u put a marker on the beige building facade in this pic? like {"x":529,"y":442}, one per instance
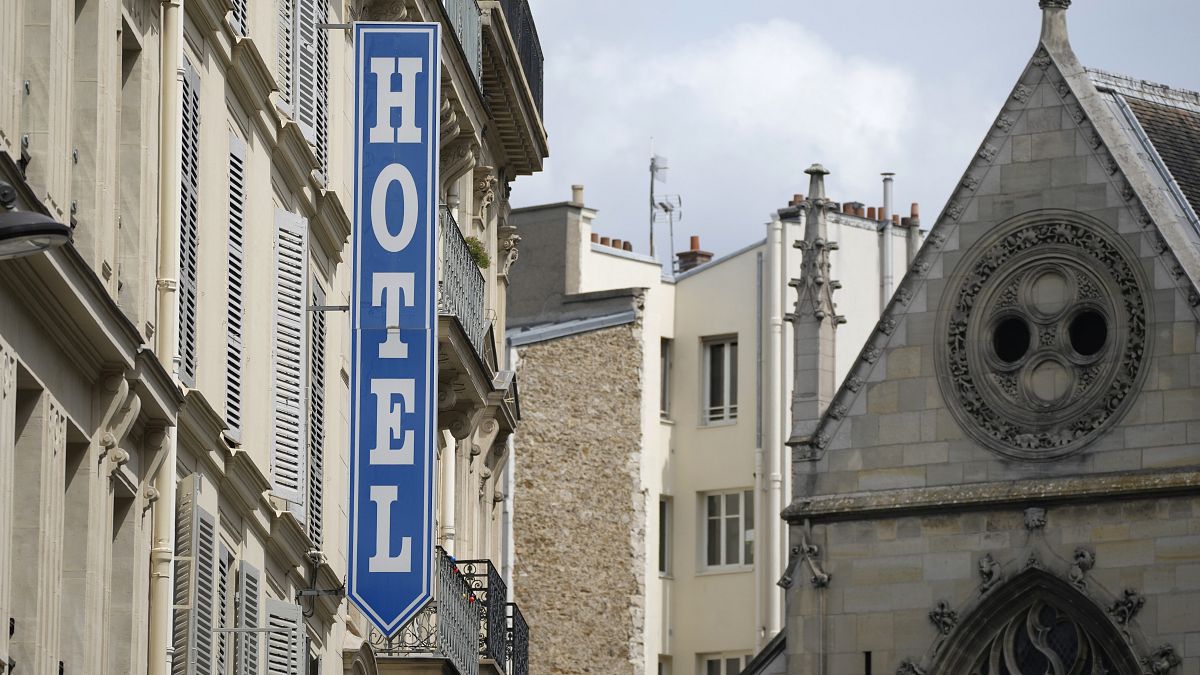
{"x":1005,"y":480}
{"x":173,"y":397}
{"x":649,"y":432}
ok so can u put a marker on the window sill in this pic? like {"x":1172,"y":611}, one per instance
{"x":666,"y":419}
{"x":724,"y":569}
{"x":718,"y":423}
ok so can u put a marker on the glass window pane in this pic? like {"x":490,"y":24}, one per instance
{"x":732,"y":503}
{"x":712,"y":667}
{"x":748,"y":495}
{"x":716,"y":377}
{"x":664,"y":375}
{"x":662,"y":535}
{"x":733,"y":666}
{"x":733,"y":540}
{"x":713,"y":507}
{"x":733,"y":373}
{"x":714,"y":541}
{"x":748,"y":519}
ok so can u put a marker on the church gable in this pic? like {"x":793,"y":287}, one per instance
{"x":1046,"y":328}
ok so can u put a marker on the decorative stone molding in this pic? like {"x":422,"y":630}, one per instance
{"x":1035,"y":518}
{"x":508,"y":239}
{"x":1043,"y":402}
{"x":1042,"y":59}
{"x":485,"y":191}
{"x":1126,"y":607}
{"x":807,"y":553}
{"x":1021,"y":93}
{"x":1054,"y":4}
{"x":943,"y":618}
{"x":1085,"y":560}
{"x":1162,"y":660}
{"x":908,"y":667}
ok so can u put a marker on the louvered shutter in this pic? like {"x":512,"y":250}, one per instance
{"x":240,"y":17}
{"x":305,"y":68}
{"x":235,"y":287}
{"x":285,"y":642}
{"x":289,"y":458}
{"x":225,"y":606}
{"x":189,"y":224}
{"x":316,"y":420}
{"x":321,"y":95}
{"x":249,"y":582}
{"x":195,"y":590}
{"x":284,"y":52}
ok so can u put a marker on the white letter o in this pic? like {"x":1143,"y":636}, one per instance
{"x":383,"y":234}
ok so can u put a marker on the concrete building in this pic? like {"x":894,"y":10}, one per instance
{"x":173,"y":400}
{"x":1006,"y":481}
{"x":640,"y":465}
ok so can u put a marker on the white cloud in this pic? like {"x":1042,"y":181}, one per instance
{"x":740,"y":116}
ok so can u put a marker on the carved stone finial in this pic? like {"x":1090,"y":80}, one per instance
{"x":1054,"y":4}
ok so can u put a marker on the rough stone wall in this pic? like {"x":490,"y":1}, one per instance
{"x":579,"y":513}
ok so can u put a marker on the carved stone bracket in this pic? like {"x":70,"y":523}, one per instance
{"x":1035,"y":518}
{"x":485,"y":192}
{"x":808,"y":553}
{"x":508,"y":248}
{"x":1162,"y":660}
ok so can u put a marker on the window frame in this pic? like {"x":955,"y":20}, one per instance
{"x":723,"y":659}
{"x":727,"y":411}
{"x":666,"y":516}
{"x":665,"y":358}
{"x":745,"y":516}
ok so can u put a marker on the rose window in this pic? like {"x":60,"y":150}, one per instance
{"x":1045,"y":338}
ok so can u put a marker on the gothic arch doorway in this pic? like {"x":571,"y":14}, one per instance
{"x":1036,"y":624}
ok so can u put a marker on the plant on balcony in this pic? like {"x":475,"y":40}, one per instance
{"x":478,"y":252}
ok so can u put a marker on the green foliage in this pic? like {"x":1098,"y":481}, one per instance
{"x":478,"y":253}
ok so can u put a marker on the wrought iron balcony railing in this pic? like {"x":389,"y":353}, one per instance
{"x":518,"y":641}
{"x":467,"y":21}
{"x":448,"y":627}
{"x":489,"y":586}
{"x":529,"y":47}
{"x":461,"y":284}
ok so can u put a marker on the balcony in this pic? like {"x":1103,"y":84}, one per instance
{"x":529,"y":47}
{"x":490,"y":588}
{"x":461,"y":287}
{"x":467,"y":22}
{"x":518,"y":641}
{"x":446,"y":630}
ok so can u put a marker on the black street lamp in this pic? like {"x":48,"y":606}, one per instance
{"x":26,"y":232}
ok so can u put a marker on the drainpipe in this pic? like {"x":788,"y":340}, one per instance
{"x":886,"y":216}
{"x":773,"y":553}
{"x":166,"y":344}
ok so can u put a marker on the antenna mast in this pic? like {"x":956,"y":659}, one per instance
{"x":658,"y":172}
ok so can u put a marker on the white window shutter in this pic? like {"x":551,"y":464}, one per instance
{"x":235,"y":287}
{"x":304,"y":66}
{"x":285,"y":52}
{"x":249,"y":581}
{"x":189,"y":224}
{"x":285,"y":642}
{"x":316,"y":420}
{"x":289,"y":458}
{"x":321,"y":95}
{"x":195,"y":590}
{"x":225,"y":606}
{"x":240,"y":17}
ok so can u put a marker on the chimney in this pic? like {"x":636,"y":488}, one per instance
{"x":627,"y":246}
{"x":1054,"y":25}
{"x":577,"y":195}
{"x":595,"y":238}
{"x":693,"y":257}
{"x":871,"y":213}
{"x":605,"y":241}
{"x":886,"y":214}
{"x":616,"y":243}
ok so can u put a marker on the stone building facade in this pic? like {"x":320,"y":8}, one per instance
{"x":173,"y":399}
{"x":1006,"y":479}
{"x":590,"y":470}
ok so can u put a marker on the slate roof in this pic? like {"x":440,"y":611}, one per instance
{"x":1175,"y":133}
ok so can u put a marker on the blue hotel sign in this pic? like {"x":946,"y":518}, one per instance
{"x":393,"y":320}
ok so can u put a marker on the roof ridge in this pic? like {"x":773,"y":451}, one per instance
{"x":1132,"y":86}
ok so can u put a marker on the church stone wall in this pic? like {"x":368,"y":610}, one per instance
{"x":888,"y":576}
{"x":579,"y":516}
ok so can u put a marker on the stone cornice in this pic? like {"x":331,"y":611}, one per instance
{"x":972,"y":496}
{"x":249,"y":487}
{"x":332,"y":224}
{"x":295,"y":158}
{"x":161,"y":397}
{"x":288,"y":541}
{"x":200,"y":430}
{"x":209,"y":15}
{"x":250,"y":77}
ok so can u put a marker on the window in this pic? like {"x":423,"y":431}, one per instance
{"x":302,"y":69}
{"x":729,"y":528}
{"x":664,"y":535}
{"x":723,"y":664}
{"x":720,"y":378}
{"x":664,"y":378}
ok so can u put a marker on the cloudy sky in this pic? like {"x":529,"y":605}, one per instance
{"x":742,"y":96}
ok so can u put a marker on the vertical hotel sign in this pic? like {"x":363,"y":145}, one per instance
{"x":393,"y":320}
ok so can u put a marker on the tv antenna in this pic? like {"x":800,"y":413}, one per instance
{"x":670,"y":206}
{"x":658,"y":172}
